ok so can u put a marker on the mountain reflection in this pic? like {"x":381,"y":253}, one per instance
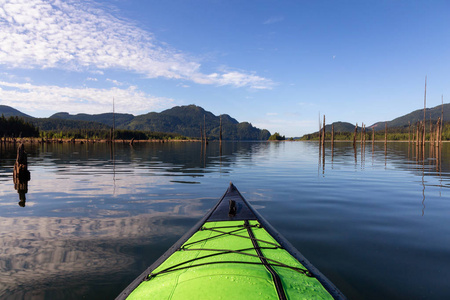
{"x":95,"y":218}
{"x":185,"y":157}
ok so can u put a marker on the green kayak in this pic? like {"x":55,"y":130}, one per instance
{"x":232,"y":253}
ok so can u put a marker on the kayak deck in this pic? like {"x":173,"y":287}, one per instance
{"x":232,"y":254}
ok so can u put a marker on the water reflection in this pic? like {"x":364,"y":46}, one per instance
{"x":396,"y":154}
{"x":96,"y":212}
{"x":422,"y":161}
{"x":43,"y":251}
{"x":22,"y":189}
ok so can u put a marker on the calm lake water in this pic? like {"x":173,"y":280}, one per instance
{"x":376,"y":222}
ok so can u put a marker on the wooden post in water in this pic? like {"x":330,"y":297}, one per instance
{"x":354,"y":135}
{"x":204,"y":129}
{"x":323,"y":139}
{"x":417,"y":134}
{"x":21,"y":166}
{"x":424,"y":112}
{"x":220,"y":130}
{"x":362,"y":130}
{"x":21,"y":175}
{"x":385,"y":133}
{"x":438,"y":132}
{"x":409,"y":132}
{"x":364,"y":140}
{"x":431,"y":132}
{"x":320,"y":133}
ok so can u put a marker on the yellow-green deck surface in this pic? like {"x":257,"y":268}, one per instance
{"x":228,"y":280}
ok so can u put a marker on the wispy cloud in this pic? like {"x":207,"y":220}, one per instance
{"x":118,"y":83}
{"x":76,"y":100}
{"x":234,"y":78}
{"x":274,"y":19}
{"x":81,"y":36}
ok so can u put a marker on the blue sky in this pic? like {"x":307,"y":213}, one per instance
{"x":276,"y":64}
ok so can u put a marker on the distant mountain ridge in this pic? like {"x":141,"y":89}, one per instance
{"x":401,"y":122}
{"x":413,"y":117}
{"x":187,"y":120}
{"x":341,"y":127}
{"x":184,"y":120}
{"x":105,"y":118}
{"x":8,"y":111}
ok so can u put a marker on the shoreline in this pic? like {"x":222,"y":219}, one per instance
{"x":33,"y":140}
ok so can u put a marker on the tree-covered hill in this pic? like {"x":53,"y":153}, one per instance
{"x":415,"y":116}
{"x":120,"y":120}
{"x":189,"y":121}
{"x":52,"y":124}
{"x":181,"y":120}
{"x":8,"y":111}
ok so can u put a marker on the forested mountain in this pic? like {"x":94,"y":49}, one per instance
{"x":106,"y":118}
{"x":8,"y":111}
{"x":183,"y":120}
{"x":415,"y":116}
{"x":50,"y":124}
{"x":399,"y":124}
{"x":341,"y":127}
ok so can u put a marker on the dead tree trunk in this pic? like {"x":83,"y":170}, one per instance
{"x":323,"y":135}
{"x":21,"y":175}
{"x":354,"y":135}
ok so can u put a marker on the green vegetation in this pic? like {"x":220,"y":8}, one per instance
{"x":105,"y":119}
{"x":17,"y":127}
{"x":176,"y":123}
{"x":393,"y":134}
{"x":106,"y":135}
{"x":277,"y":137}
{"x":56,"y":125}
{"x":180,"y":120}
{"x":431,"y":113}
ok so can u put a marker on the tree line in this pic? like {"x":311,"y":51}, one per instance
{"x":393,"y":134}
{"x":103,"y":134}
{"x":17,"y":127}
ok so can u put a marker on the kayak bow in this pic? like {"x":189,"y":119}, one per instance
{"x":232,"y":253}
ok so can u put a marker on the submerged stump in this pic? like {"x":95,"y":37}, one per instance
{"x":21,"y":175}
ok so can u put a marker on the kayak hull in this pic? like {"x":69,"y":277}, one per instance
{"x":232,"y":253}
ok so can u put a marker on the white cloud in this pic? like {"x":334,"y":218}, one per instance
{"x":77,"y":35}
{"x":91,"y":79}
{"x":118,"y":83}
{"x":234,"y":78}
{"x":76,"y":100}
